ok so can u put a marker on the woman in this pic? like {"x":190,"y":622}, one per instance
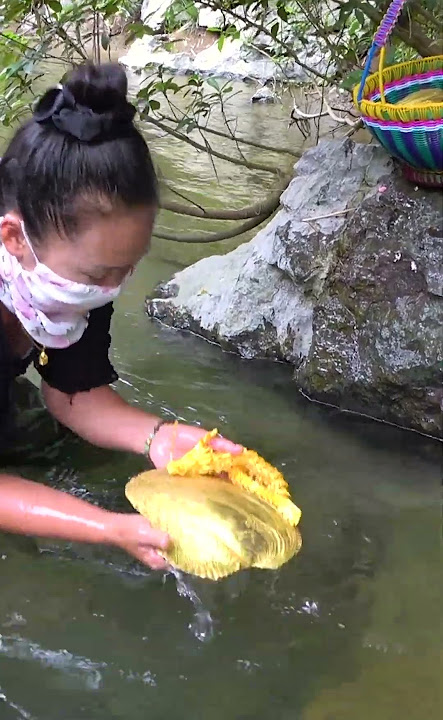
{"x":78,"y":199}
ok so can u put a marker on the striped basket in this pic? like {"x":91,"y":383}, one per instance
{"x":411,"y":133}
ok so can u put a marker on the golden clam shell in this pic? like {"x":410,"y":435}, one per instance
{"x":216,"y":528}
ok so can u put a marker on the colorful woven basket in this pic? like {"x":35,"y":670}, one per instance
{"x":412,"y":133}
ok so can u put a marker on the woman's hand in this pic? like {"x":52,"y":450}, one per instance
{"x":171,"y":442}
{"x":134,"y":534}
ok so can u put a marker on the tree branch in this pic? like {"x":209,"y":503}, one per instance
{"x":214,"y":153}
{"x":242,"y":141}
{"x":426,"y":15}
{"x":214,"y":237}
{"x":262,"y":208}
{"x":261,"y":28}
{"x":412,"y":35}
{"x":66,"y":38}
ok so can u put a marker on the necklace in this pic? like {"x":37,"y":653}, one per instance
{"x":43,"y":357}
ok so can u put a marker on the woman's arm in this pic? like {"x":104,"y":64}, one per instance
{"x":103,"y":418}
{"x":29,"y":508}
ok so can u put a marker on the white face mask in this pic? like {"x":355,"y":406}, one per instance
{"x":54,"y":311}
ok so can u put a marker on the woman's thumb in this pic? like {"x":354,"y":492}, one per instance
{"x":154,"y":537}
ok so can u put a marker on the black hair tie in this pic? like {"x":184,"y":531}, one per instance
{"x":60,"y":107}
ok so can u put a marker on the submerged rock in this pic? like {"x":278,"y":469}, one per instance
{"x":353,"y":300}
{"x":264,"y":94}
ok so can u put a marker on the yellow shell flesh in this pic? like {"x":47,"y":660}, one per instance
{"x":216,"y":528}
{"x":429,"y":96}
{"x":248,"y":470}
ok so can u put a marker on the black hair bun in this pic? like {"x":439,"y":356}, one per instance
{"x":90,"y":106}
{"x":102,"y":88}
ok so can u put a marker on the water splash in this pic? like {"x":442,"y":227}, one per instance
{"x":86,"y":670}
{"x":202,"y":626}
{"x":22,"y":713}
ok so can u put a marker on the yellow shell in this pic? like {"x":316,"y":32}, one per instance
{"x":216,"y":528}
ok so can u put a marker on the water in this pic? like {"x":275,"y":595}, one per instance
{"x":349,"y":629}
{"x":202,"y":625}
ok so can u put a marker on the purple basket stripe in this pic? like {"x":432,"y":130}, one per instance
{"x":388,"y":22}
{"x":403,"y":150}
{"x":410,"y":126}
{"x":411,"y":148}
{"x":436,"y":149}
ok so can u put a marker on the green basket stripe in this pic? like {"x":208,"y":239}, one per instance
{"x":421,"y":142}
{"x":387,"y":141}
{"x":402,"y":149}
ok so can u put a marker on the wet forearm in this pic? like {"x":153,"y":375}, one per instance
{"x":102,"y":417}
{"x":29,"y":508}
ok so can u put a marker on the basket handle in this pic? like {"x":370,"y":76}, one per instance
{"x":380,"y":39}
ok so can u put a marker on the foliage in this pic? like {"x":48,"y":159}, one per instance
{"x":38,"y":31}
{"x":35,"y":33}
{"x":179,"y":13}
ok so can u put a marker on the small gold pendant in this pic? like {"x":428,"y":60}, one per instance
{"x":43,"y":358}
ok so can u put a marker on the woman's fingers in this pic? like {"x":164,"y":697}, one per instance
{"x":150,"y":557}
{"x":220,"y":444}
{"x":151,"y":536}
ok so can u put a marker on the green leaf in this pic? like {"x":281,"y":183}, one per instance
{"x":192,"y":125}
{"x":192,"y":12}
{"x":138,"y":30}
{"x":154,"y":105}
{"x":221,"y":42}
{"x":361,"y":17}
{"x":274,"y":30}
{"x":282,"y":12}
{"x":105,"y":40}
{"x":212,"y":82}
{"x":55,"y":5}
{"x":354,"y":27}
{"x":351,"y":79}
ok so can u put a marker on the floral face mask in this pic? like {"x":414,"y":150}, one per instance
{"x":53,"y":311}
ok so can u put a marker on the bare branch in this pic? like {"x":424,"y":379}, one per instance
{"x":242,"y":141}
{"x":337,"y":213}
{"x":262,"y":28}
{"x":262,"y":208}
{"x":425,"y":14}
{"x":174,"y":190}
{"x":214,"y":237}
{"x":412,"y":35}
{"x":214,"y":153}
{"x":64,"y":35}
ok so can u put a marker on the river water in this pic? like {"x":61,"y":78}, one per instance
{"x":348,"y":630}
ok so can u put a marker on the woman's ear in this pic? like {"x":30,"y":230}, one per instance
{"x":13,"y":239}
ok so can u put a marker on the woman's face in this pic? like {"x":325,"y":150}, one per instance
{"x":101,"y":254}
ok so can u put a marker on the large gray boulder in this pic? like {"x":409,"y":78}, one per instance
{"x":354,"y":300}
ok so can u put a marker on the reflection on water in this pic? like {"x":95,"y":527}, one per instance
{"x":349,"y":629}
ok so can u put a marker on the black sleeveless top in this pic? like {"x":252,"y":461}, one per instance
{"x":80,"y":367}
